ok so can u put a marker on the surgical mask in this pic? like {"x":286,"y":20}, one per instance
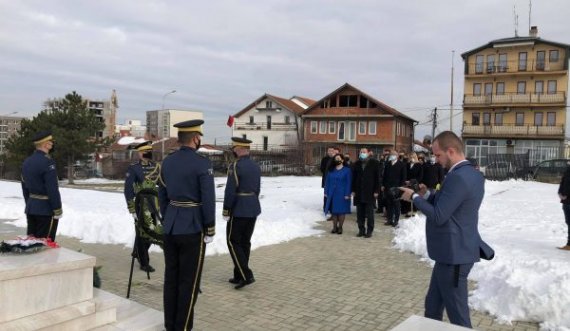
{"x":392,"y":158}
{"x":363,"y":156}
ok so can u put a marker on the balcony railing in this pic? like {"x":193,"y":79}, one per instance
{"x":265,"y":126}
{"x":498,"y":67}
{"x":512,"y":130}
{"x":515,"y":98}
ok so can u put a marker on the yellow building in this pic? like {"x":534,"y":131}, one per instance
{"x":515,"y":97}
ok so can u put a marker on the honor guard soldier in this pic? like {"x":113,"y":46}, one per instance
{"x":143,"y":170}
{"x":40,"y":188}
{"x":187,"y":201}
{"x":241,"y":208}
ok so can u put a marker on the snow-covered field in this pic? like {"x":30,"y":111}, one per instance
{"x":529,"y":279}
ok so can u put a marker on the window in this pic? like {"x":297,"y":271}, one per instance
{"x":351,"y":131}
{"x":477,"y":89}
{"x":490,"y":63}
{"x":503,"y":63}
{"x":551,"y":87}
{"x":287,"y":120}
{"x":314,"y":126}
{"x":486,"y":118}
{"x":265,"y":142}
{"x":540,"y":59}
{"x":488,"y":88}
{"x":353,"y":100}
{"x":554,"y":56}
{"x":332,"y":102}
{"x":322,"y":127}
{"x":268,"y":122}
{"x":500,"y":88}
{"x":347,"y":100}
{"x":498,"y":119}
{"x":372,"y":128}
{"x":538,"y":119}
{"x":268,"y":104}
{"x":539,"y":87}
{"x":340,"y":135}
{"x":521,"y":87}
{"x":363,"y":102}
{"x":522,"y":61}
{"x":251,"y":120}
{"x":551,"y":119}
{"x":332,"y":127}
{"x":519,"y":121}
{"x":479,"y":64}
{"x":397,"y":128}
{"x":475,"y":118}
{"x":361,"y":128}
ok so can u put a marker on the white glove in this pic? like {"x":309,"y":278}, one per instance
{"x":135,"y":216}
{"x":208,"y":239}
{"x":56,"y":217}
{"x":226,"y":218}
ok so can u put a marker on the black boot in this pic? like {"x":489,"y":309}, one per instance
{"x":339,"y":231}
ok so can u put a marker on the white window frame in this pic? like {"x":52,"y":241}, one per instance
{"x":343,"y":125}
{"x":332,"y":127}
{"x":314,"y":127}
{"x":372,"y":124}
{"x":322,"y":127}
{"x":362,"y":125}
{"x":353,"y":125}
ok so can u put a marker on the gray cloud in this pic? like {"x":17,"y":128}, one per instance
{"x":221,"y":55}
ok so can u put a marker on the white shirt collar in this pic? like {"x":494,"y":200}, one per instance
{"x":455,"y":165}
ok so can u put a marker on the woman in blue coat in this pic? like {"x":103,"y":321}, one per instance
{"x":337,"y":192}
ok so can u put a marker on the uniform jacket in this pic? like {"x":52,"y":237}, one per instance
{"x":187,"y":179}
{"x":136,"y":174}
{"x":564,"y":188}
{"x":241,"y":198}
{"x":365,"y":181}
{"x":338,"y":186}
{"x":39,"y":185}
{"x":452,"y":216}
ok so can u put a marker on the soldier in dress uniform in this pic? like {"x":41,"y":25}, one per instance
{"x":40,"y":189}
{"x":241,"y":208}
{"x":187,"y":203}
{"x":137,"y":173}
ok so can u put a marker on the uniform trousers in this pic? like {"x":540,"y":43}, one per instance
{"x":448,"y":289}
{"x":41,"y":226}
{"x":365,"y":211}
{"x":239,"y":231}
{"x":183,"y":259}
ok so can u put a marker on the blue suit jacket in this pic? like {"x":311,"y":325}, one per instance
{"x":39,"y":185}
{"x":187,"y":177}
{"x":241,"y":197}
{"x":452,"y":214}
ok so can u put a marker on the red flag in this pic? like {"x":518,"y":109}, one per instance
{"x":230,"y":121}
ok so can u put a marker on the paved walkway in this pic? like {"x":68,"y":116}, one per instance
{"x":327,"y":282}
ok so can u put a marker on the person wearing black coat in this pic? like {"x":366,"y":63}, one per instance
{"x":383,"y":159}
{"x":564,"y":195}
{"x":415,"y":172}
{"x":394,"y":176}
{"x":365,"y":188}
{"x":325,"y":166}
{"x":433,"y":173}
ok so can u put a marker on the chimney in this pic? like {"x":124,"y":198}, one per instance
{"x":533,"y":31}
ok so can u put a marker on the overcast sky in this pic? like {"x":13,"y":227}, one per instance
{"x":221,"y":55}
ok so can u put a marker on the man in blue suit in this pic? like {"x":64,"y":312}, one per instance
{"x":452,"y":234}
{"x":241,"y":208}
{"x":187,"y":203}
{"x":41,"y":190}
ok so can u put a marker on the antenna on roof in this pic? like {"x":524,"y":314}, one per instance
{"x":516,"y":20}
{"x":529,"y":13}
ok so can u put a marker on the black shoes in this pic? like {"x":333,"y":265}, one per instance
{"x":339,"y":231}
{"x":234,"y":280}
{"x":368,"y":235}
{"x":243,"y":283}
{"x":360,"y":234}
{"x":388,"y":223}
{"x":147,"y":268}
{"x":334,"y":230}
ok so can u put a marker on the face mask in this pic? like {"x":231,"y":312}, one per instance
{"x":432,"y":160}
{"x":392,"y":158}
{"x":363,"y":156}
{"x":338,"y":162}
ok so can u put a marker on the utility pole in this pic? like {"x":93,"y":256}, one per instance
{"x":433,"y":123}
{"x":451,"y":105}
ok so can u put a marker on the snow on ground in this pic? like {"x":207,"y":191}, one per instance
{"x":529,"y":279}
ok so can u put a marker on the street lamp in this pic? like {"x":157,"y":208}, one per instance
{"x":162,"y":140}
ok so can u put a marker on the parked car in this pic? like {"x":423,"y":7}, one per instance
{"x":550,"y":171}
